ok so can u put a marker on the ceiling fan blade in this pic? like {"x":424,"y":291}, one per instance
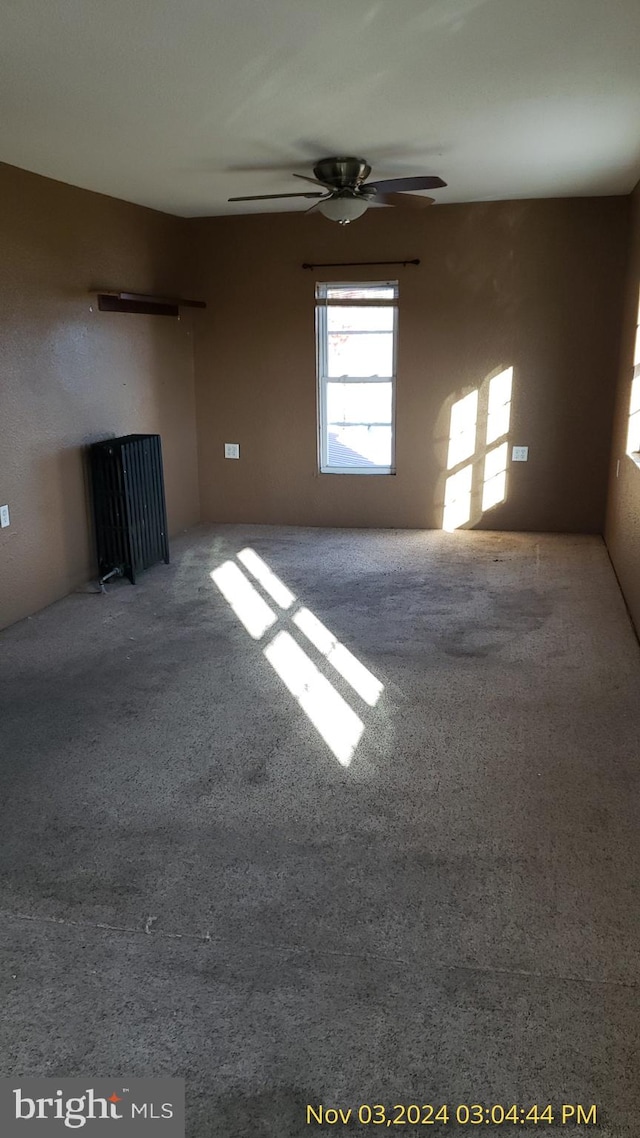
{"x":314,"y":180}
{"x":264,"y":197}
{"x":422,"y":182}
{"x":324,"y":198}
{"x":407,"y":201}
{"x":257,"y":168}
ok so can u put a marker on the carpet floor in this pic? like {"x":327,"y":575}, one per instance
{"x":329,"y":818}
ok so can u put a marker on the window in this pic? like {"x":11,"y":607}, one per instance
{"x":356,"y":327}
{"x":633,"y":432}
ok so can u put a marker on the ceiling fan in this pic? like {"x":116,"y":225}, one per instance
{"x":348,"y":194}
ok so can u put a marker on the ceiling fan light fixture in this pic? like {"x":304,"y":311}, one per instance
{"x":343,"y":208}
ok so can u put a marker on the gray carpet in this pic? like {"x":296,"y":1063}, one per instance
{"x":400,"y":871}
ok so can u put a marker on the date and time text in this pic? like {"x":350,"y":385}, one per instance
{"x":461,"y":1114}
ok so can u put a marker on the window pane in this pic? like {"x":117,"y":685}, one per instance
{"x":359,"y":446}
{"x":634,"y":403}
{"x":358,"y":292}
{"x":633,"y":435}
{"x":358,"y":403}
{"x":359,"y":319}
{"x":360,"y":355}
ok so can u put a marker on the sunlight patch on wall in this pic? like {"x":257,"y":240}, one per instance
{"x":457,"y":498}
{"x":494,"y":486}
{"x":462,"y":431}
{"x":477,"y":422}
{"x":499,"y":407}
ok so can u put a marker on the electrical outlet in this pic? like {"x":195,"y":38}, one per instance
{"x":520,"y":454}
{"x":4,"y":516}
{"x":232,"y":450}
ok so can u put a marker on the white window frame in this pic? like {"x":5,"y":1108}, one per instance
{"x":322,"y":344}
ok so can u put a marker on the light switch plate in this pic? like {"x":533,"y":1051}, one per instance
{"x":4,"y":516}
{"x":232,"y":450}
{"x":520,"y":454}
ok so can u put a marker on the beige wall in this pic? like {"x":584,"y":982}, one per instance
{"x":623,"y":514}
{"x":70,"y":375}
{"x":536,"y":285}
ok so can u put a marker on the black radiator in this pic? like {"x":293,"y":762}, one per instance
{"x":129,"y":505}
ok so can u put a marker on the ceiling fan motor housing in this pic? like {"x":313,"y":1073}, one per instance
{"x":342,"y":173}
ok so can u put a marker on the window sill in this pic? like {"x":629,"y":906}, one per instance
{"x":350,"y":470}
{"x":634,"y":455}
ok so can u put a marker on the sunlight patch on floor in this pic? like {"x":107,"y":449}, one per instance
{"x":333,"y":718}
{"x":330,"y":714}
{"x":250,"y":608}
{"x":360,"y":678}
{"x":272,"y":584}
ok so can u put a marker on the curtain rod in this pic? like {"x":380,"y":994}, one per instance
{"x":346,"y":264}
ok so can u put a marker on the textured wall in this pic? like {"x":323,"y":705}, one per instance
{"x":69,"y":375}
{"x":623,"y":514}
{"x":536,"y":285}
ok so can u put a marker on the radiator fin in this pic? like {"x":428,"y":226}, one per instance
{"x":129,"y":504}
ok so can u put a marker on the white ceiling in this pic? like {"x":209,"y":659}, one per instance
{"x":164,"y":103}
